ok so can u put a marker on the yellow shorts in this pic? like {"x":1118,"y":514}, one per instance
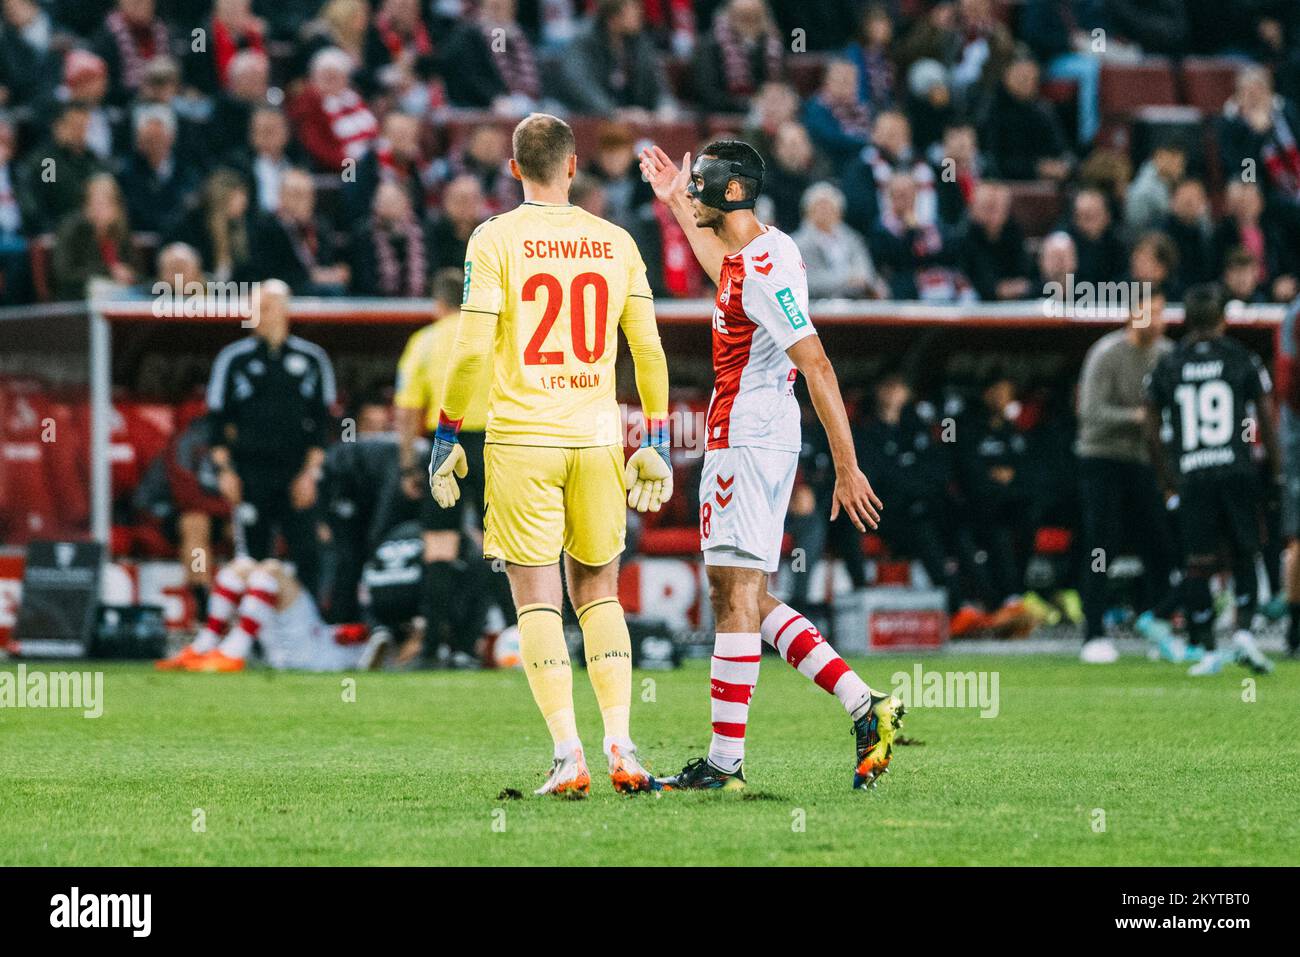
{"x":541,"y":501}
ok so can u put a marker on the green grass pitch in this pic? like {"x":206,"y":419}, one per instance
{"x":1131,"y":764}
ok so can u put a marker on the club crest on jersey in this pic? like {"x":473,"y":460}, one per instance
{"x":785,"y":299}
{"x":725,"y":296}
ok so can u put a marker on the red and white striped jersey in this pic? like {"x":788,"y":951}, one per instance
{"x":760,"y":312}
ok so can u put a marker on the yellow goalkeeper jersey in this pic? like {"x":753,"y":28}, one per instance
{"x":548,"y":286}
{"x":422,"y":375}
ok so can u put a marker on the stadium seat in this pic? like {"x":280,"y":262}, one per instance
{"x":28,"y":509}
{"x":1127,"y":87}
{"x":1208,"y":82}
{"x":675,"y":138}
{"x":1036,"y":206}
{"x":67,"y":462}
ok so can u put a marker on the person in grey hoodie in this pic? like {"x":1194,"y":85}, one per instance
{"x":1147,"y":201}
{"x":1118,"y":494}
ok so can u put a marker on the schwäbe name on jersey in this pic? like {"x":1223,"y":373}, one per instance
{"x":581,"y":248}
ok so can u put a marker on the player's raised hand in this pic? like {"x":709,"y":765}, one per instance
{"x":665,"y":178}
{"x":854,"y":494}
{"x":446,"y":464}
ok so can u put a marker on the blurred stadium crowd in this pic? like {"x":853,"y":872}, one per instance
{"x":944,"y":151}
{"x":952,"y":151}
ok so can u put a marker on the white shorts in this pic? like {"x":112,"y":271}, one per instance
{"x":297,"y":639}
{"x":744,"y":494}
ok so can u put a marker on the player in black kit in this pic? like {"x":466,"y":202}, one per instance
{"x":1208,"y":400}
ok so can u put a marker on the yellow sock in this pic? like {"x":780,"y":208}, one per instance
{"x":608,"y":650}
{"x":546,"y":662}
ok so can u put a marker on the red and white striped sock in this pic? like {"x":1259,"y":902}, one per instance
{"x":797,"y":641}
{"x":732,"y":675}
{"x":227,"y":590}
{"x":255,"y":610}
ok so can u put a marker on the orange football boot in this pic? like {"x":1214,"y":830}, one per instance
{"x":214,"y":661}
{"x":965,"y":620}
{"x":179,"y":661}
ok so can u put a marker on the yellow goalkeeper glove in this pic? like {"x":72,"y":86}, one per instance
{"x":446,"y":464}
{"x":649,"y":474}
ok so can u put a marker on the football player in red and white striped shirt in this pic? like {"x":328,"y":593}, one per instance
{"x":762,"y":339}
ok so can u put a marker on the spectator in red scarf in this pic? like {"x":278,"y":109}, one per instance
{"x":394,"y":158}
{"x":132,"y":35}
{"x":329,"y":117}
{"x":390,"y":253}
{"x":673,"y":21}
{"x":741,"y":53}
{"x":867,"y":177}
{"x":94,"y":243}
{"x":958,"y":168}
{"x":910,"y":253}
{"x":838,"y":122}
{"x":491,"y":64}
{"x":233,"y":27}
{"x":403,"y":33}
{"x":1245,"y":225}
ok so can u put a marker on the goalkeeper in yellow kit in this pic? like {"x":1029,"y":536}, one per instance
{"x":547,"y":286}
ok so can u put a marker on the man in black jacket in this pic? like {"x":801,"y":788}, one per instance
{"x":295,"y":245}
{"x":904,"y":457}
{"x":991,"y":250}
{"x":394,"y":157}
{"x":269,"y":399}
{"x":155,"y":180}
{"x":991,"y":457}
{"x":1019,"y":132}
